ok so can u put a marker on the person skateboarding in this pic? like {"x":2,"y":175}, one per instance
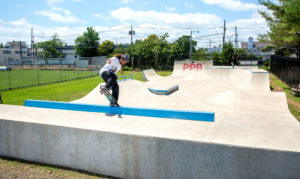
{"x":109,"y":74}
{"x":234,"y":59}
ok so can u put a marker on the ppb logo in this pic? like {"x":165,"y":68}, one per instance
{"x":192,"y":66}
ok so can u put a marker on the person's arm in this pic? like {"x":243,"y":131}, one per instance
{"x":108,"y":61}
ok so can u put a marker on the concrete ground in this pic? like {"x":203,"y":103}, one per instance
{"x":247,"y":116}
{"x":246,"y":112}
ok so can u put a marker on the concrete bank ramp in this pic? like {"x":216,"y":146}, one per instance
{"x":253,"y":135}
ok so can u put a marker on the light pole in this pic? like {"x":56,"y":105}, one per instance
{"x":191,"y":43}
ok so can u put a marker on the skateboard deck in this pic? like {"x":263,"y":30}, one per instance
{"x":111,"y":99}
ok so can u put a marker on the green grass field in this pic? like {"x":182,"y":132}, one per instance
{"x":23,"y":78}
{"x":64,"y":91}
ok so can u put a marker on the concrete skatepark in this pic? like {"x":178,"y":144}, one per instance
{"x":253,"y":134}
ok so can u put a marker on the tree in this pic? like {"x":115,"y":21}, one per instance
{"x":50,"y":47}
{"x":284,"y":25}
{"x":201,"y":54}
{"x":1,"y":45}
{"x":145,"y":49}
{"x":87,"y":44}
{"x":224,"y":57}
{"x":227,"y":52}
{"x":120,"y":49}
{"x":161,"y":50}
{"x":181,"y":48}
{"x":106,"y":48}
{"x":217,"y":58}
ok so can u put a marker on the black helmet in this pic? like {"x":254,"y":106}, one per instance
{"x":125,"y":57}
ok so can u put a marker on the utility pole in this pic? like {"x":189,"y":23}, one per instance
{"x":131,"y":32}
{"x":210,"y":48}
{"x":191,"y":38}
{"x":21,"y":49}
{"x":224,"y":33}
{"x":236,"y":35}
{"x":32,"y":43}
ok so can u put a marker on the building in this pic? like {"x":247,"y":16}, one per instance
{"x":254,"y":47}
{"x":215,"y":49}
{"x":67,"y":51}
{"x":14,"y":50}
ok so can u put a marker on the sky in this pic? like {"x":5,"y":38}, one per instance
{"x":112,"y":19}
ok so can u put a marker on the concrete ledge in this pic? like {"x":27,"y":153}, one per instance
{"x":135,"y":156}
{"x":148,"y":112}
{"x":164,"y":92}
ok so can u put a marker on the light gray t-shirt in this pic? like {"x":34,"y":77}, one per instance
{"x":114,"y":67}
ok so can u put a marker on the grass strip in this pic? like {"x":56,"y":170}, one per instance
{"x":294,"y":108}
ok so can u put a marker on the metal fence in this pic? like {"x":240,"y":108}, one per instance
{"x":25,"y":72}
{"x":286,"y":69}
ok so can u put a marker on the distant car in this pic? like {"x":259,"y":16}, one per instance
{"x":5,"y":68}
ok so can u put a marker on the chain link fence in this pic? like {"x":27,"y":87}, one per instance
{"x":25,"y":72}
{"x":287,"y":70}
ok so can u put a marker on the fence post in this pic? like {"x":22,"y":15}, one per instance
{"x":77,"y":73}
{"x":38,"y":74}
{"x":60,"y":70}
{"x":9,"y":80}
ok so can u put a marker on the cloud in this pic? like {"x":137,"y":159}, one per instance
{"x":18,"y":5}
{"x":101,"y":16}
{"x":15,"y":30}
{"x":234,"y":5}
{"x":78,"y":0}
{"x":126,"y":1}
{"x":165,"y":18}
{"x":60,"y":15}
{"x":170,"y":9}
{"x":19,"y":23}
{"x":249,"y":27}
{"x":188,"y":5}
{"x":50,"y":2}
{"x":144,"y":23}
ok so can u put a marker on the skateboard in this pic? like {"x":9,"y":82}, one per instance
{"x":110,"y":98}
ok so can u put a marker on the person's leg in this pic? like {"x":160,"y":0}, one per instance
{"x":110,"y":79}
{"x":115,"y":91}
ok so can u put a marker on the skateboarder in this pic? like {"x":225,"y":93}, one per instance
{"x":234,"y":58}
{"x":109,"y":74}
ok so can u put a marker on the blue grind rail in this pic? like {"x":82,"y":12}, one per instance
{"x":147,"y":112}
{"x":126,"y":77}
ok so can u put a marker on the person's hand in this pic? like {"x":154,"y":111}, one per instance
{"x":108,"y":61}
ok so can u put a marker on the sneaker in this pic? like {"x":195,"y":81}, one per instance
{"x":112,"y":105}
{"x":103,"y":89}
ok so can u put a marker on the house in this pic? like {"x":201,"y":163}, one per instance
{"x":254,"y":47}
